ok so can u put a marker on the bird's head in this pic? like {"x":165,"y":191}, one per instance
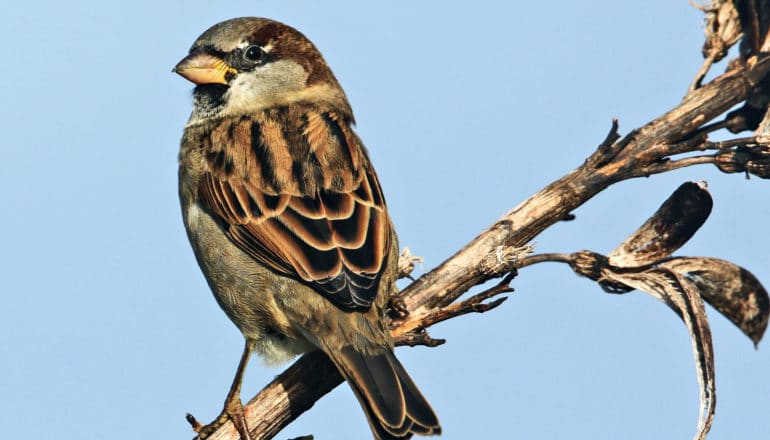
{"x":245,"y":65}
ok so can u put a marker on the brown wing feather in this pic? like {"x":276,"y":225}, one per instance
{"x":293,"y":188}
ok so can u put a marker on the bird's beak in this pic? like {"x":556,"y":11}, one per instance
{"x":204,"y":68}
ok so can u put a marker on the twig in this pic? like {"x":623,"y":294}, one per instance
{"x":474,"y":304}
{"x":543,"y":258}
{"x":416,"y":338}
{"x":406,"y":263}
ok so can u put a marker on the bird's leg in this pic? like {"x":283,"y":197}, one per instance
{"x":233,"y":409}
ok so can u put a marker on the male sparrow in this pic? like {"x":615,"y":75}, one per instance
{"x":287,"y":219}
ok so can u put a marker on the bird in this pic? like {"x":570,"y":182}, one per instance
{"x":287,"y":218}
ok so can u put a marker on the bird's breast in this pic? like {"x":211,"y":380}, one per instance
{"x":244,"y":289}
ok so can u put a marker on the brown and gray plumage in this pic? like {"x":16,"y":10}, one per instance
{"x":287,"y":219}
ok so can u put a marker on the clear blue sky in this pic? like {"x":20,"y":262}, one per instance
{"x":108,"y":329}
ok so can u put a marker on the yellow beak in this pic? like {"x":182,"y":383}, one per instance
{"x":203,"y":68}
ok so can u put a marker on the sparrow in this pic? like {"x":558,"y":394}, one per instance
{"x":287,"y":219}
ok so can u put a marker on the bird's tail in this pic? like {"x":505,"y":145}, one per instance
{"x":394,"y":406}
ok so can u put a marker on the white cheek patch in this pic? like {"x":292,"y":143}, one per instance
{"x":267,"y":85}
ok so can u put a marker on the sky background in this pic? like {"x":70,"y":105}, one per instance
{"x":108,"y":329}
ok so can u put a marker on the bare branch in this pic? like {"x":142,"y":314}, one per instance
{"x":474,"y":304}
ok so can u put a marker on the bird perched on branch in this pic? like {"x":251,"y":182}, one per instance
{"x":287,"y":218}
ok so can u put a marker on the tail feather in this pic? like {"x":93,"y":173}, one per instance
{"x":394,"y":406}
{"x":418,"y":408}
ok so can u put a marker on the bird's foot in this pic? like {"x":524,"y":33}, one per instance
{"x":396,"y":306}
{"x":232,"y":411}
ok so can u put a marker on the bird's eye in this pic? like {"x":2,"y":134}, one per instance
{"x":254,"y":53}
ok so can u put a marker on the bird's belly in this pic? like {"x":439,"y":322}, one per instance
{"x":244,"y":289}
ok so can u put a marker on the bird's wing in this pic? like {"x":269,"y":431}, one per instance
{"x":298,"y":194}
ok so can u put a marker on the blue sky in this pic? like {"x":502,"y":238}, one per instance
{"x":108,"y":329}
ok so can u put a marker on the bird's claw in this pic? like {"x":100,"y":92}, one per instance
{"x":397,"y":306}
{"x":233,"y":411}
